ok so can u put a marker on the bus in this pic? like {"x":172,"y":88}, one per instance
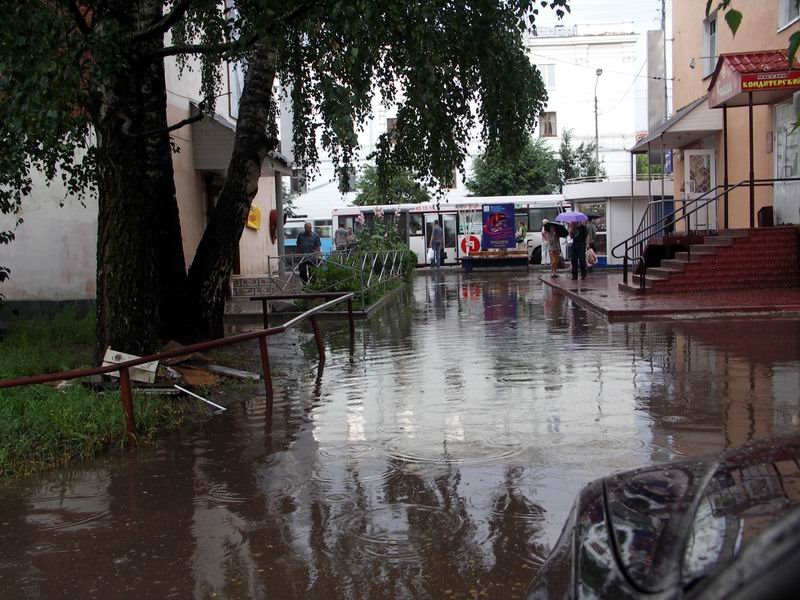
{"x":294,"y":226}
{"x":461,"y":220}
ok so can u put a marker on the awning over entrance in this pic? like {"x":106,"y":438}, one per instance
{"x":213,"y":146}
{"x":691,"y":123}
{"x":766,"y":74}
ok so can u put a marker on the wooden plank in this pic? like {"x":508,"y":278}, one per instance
{"x":234,"y":373}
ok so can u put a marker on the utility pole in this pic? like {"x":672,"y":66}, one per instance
{"x":664,"y":32}
{"x":596,"y":130}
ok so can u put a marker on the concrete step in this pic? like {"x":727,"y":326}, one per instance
{"x":702,"y":249}
{"x":717,"y":241}
{"x":649,"y":279}
{"x":674,"y":264}
{"x":664,"y":272}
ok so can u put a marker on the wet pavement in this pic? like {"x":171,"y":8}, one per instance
{"x":436,"y":457}
{"x":600,"y":292}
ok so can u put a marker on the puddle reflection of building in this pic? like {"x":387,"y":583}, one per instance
{"x":710,"y":385}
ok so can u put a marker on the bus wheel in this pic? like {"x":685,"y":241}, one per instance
{"x":536,"y":256}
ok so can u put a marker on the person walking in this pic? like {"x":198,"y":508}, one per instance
{"x":340,"y":238}
{"x":545,"y":243}
{"x":553,"y":248}
{"x":308,"y":243}
{"x":578,"y":233}
{"x":437,"y":243}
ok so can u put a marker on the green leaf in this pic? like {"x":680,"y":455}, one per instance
{"x":794,"y":44}
{"x":733,"y":18}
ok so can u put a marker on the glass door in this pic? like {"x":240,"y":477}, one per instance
{"x":787,"y":164}
{"x":700,"y":178}
{"x":450,"y":228}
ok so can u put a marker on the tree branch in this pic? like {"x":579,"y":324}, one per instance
{"x":79,"y":17}
{"x":171,"y":128}
{"x":240,"y":44}
{"x":164,"y":24}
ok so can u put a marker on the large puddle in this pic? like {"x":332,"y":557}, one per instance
{"x":437,"y":458}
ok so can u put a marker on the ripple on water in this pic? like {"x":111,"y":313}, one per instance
{"x":495,"y":448}
{"x":398,"y":534}
{"x":218,"y":493}
{"x":337,"y":475}
{"x":68,"y":520}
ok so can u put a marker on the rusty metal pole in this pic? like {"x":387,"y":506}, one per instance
{"x":752,"y":163}
{"x":127,"y":404}
{"x":262,"y":347}
{"x":350,"y":317}
{"x":725,"y":147}
{"x":318,"y":338}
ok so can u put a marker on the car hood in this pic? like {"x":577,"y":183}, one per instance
{"x":673,"y":525}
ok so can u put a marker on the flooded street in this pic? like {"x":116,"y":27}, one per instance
{"x":436,"y":458}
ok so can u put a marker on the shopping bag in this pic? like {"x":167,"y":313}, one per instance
{"x":431,"y":255}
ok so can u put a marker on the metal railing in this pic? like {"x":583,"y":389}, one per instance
{"x":633,"y":248}
{"x":617,"y":178}
{"x":369,"y":270}
{"x":126,"y":394}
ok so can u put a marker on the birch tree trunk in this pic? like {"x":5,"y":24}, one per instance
{"x":214,"y":258}
{"x":141,"y":271}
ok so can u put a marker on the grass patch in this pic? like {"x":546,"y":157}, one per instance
{"x":43,"y":427}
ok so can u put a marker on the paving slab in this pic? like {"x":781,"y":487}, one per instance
{"x":600,"y":292}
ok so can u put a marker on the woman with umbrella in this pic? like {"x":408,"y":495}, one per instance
{"x":578,"y":234}
{"x":554,"y":233}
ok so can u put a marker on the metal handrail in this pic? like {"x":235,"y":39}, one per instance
{"x":631,"y":241}
{"x":125,"y":366}
{"x":616,"y":178}
{"x":669,"y":220}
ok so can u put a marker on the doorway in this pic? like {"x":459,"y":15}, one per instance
{"x":449,"y":225}
{"x":700,"y":178}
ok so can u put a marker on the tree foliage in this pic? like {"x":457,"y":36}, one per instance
{"x":534,"y":171}
{"x":397,"y":187}
{"x":577,"y":161}
{"x":84,"y":100}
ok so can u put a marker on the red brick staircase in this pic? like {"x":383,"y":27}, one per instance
{"x":768,"y":257}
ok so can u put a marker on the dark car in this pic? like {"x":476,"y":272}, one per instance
{"x":724,"y":527}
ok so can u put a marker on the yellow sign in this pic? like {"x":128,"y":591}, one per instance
{"x":254,"y":218}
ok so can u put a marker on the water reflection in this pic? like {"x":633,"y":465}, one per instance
{"x":436,"y":455}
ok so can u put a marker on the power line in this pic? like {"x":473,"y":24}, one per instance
{"x":604,"y":69}
{"x":628,"y":91}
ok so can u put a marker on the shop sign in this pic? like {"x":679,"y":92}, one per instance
{"x":780,"y":80}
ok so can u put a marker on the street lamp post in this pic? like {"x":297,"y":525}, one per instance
{"x":596,"y":136}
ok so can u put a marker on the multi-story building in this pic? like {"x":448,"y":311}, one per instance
{"x":696,"y":133}
{"x":578,"y":64}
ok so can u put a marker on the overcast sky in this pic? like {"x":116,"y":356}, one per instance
{"x":644,"y":14}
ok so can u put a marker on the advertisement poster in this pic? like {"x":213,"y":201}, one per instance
{"x":498,"y":226}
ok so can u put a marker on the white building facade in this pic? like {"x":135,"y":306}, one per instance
{"x":569,"y":59}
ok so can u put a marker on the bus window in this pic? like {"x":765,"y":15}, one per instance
{"x":346,"y":222}
{"x":537,"y":215}
{"x":521,"y":218}
{"x":290,"y":232}
{"x":400,"y":223}
{"x":414,"y":223}
{"x":323,"y":228}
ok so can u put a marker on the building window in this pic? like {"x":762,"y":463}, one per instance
{"x":297,"y":182}
{"x":787,"y":13}
{"x":548,"y":75}
{"x":710,"y":45}
{"x":547,"y":125}
{"x":347,"y":179}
